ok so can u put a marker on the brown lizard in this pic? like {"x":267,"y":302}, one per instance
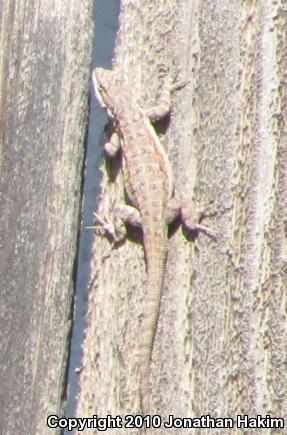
{"x":149,"y":185}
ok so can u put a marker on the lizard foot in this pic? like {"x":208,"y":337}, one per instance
{"x":192,"y":221}
{"x":104,"y":224}
{"x":179,"y":85}
{"x":115,"y":232}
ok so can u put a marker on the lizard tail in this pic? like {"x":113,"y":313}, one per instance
{"x":155,"y":255}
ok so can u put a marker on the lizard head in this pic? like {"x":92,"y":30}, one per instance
{"x":105,"y":85}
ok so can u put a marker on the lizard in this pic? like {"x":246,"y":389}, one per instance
{"x":149,"y":186}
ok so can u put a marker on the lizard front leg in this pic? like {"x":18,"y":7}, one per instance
{"x":163,"y":104}
{"x":111,"y":148}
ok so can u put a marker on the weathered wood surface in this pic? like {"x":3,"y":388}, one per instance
{"x":220,"y":347}
{"x":44,"y":73}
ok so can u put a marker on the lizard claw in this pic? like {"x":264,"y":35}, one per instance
{"x":213,"y":234}
{"x":179,"y":85}
{"x":114,"y":230}
{"x":192,"y":221}
{"x":105,"y":224}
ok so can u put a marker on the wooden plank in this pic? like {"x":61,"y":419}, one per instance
{"x":44,"y":72}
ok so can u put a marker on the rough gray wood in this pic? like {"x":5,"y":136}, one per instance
{"x":220,"y":348}
{"x":44,"y":72}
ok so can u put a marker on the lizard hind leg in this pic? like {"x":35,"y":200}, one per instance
{"x":115,"y":228}
{"x":172,"y":211}
{"x":190,"y":218}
